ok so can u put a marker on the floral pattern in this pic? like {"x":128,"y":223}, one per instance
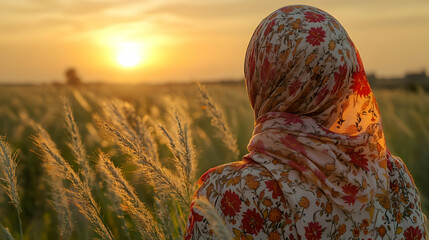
{"x":230,"y":203}
{"x":313,"y":231}
{"x":311,"y":16}
{"x":413,"y":233}
{"x":318,"y":166}
{"x":316,"y":36}
{"x":252,"y":222}
{"x":360,"y":84}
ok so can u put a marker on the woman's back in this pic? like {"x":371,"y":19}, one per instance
{"x":255,"y":207}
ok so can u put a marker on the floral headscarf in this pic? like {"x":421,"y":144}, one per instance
{"x":313,"y":106}
{"x":318,"y":166}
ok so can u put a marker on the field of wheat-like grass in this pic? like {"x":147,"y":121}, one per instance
{"x":122,"y":161}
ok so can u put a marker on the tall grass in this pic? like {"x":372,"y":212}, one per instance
{"x":172,"y":186}
{"x":218,"y":120}
{"x":80,"y":191}
{"x":60,"y":202}
{"x":129,"y":167}
{"x":77,"y":146}
{"x":8,"y":164}
{"x":159,"y":176}
{"x":73,"y":182}
{"x":183,"y":151}
{"x":145,"y":223}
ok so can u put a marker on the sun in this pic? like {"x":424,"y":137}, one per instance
{"x":129,"y":54}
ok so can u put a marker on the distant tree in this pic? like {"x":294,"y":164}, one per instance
{"x":72,"y":77}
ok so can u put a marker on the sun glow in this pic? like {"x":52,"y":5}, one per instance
{"x":129,"y":54}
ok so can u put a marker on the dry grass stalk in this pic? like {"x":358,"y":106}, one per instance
{"x":76,"y":145}
{"x":147,"y":138}
{"x":145,"y":223}
{"x":183,"y":151}
{"x":124,"y":117}
{"x":80,"y":192}
{"x":5,"y":234}
{"x":218,"y":120}
{"x":116,"y":208}
{"x":60,"y":202}
{"x":114,"y":112}
{"x":160,"y":178}
{"x":215,"y":221}
{"x":9,"y":163}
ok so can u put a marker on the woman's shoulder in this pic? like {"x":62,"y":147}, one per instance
{"x":234,"y":172}
{"x":243,"y":178}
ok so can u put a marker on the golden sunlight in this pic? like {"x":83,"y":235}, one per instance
{"x":129,"y":54}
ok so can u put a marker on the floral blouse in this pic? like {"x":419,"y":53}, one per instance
{"x":318,"y":166}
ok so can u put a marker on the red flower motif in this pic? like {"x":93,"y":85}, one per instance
{"x":339,"y":77}
{"x":269,"y":27}
{"x":413,"y":233}
{"x":313,"y":231}
{"x":293,"y":144}
{"x":294,"y":86}
{"x":230,"y":203}
{"x":193,"y":218}
{"x":265,"y":70}
{"x":314,"y":17}
{"x":358,"y":159}
{"x":351,"y":191}
{"x":274,"y":187}
{"x":252,"y":222}
{"x":360,"y":84}
{"x":316,"y":36}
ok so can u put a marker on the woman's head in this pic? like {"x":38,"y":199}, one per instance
{"x":300,"y":60}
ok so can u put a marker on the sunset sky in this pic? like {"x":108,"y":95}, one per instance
{"x":186,"y":40}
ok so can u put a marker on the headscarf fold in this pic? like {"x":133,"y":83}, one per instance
{"x":314,"y":109}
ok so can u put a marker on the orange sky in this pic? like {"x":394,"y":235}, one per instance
{"x":186,"y":40}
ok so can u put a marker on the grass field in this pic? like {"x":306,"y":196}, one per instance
{"x":405,"y":120}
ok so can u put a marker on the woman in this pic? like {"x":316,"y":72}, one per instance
{"x":318,"y":166}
